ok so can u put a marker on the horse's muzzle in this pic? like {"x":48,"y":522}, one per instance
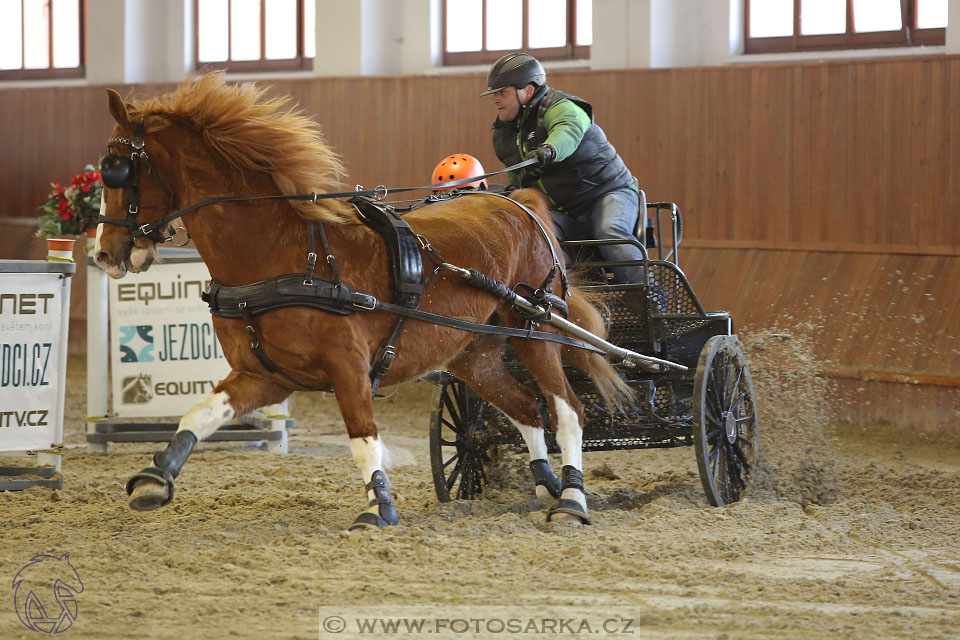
{"x":126,"y":257}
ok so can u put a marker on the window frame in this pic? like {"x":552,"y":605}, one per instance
{"x":298,"y":63}
{"x":52,"y":73}
{"x":908,"y":35}
{"x":569,"y":51}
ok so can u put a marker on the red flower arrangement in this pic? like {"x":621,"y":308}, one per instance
{"x":71,"y":210}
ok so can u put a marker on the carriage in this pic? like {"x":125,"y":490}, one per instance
{"x":676,"y":367}
{"x":710,"y":405}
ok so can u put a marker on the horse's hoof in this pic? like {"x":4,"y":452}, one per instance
{"x":568,"y":512}
{"x":148,"y":495}
{"x":368,"y":520}
{"x":565,"y":519}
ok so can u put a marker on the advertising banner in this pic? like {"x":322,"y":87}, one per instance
{"x":165,"y":356}
{"x":30,"y":376}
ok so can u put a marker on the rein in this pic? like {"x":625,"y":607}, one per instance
{"x":152,"y":229}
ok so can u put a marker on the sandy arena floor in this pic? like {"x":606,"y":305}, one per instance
{"x":849,"y":531}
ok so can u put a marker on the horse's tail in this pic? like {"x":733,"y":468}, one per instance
{"x":584,"y":313}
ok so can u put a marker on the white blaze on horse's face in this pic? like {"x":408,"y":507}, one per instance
{"x":100,"y":257}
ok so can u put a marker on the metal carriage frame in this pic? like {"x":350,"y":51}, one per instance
{"x":711,"y":406}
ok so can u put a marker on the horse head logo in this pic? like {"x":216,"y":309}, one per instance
{"x":137,"y":389}
{"x":45,"y":594}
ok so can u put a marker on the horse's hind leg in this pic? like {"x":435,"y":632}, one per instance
{"x":481,"y":366}
{"x":238,"y":393}
{"x":543,"y":361}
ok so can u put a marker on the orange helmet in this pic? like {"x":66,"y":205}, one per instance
{"x":457,"y":167}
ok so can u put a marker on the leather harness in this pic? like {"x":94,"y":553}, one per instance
{"x":335,"y":296}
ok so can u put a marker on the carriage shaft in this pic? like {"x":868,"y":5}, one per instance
{"x":627,"y":358}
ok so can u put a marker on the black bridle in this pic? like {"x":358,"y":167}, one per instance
{"x":122,"y":172}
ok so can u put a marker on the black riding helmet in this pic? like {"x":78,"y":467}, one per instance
{"x":515,"y":70}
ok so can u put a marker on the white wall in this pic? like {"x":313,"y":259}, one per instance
{"x":691,"y":33}
{"x":131,"y":41}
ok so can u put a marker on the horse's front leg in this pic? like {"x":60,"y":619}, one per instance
{"x":351,"y":384}
{"x":237,"y":394}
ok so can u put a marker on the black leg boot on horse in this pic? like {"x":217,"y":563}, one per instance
{"x":166,"y":467}
{"x":382,"y":512}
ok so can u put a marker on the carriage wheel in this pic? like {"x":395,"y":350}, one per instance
{"x":724,"y":420}
{"x":457,"y":450}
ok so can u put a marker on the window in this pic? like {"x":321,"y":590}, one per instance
{"x":41,"y":39}
{"x":255,"y":35}
{"x":480,"y":31}
{"x":805,"y":25}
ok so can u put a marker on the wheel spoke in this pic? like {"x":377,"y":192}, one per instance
{"x":712,"y":377}
{"x":451,"y":459}
{"x":733,"y":391}
{"x":720,"y":471}
{"x":712,"y":408}
{"x":447,"y":443}
{"x":712,"y":436}
{"x":726,"y":366}
{"x":714,"y":457}
{"x":712,"y":417}
{"x":450,"y":425}
{"x":456,"y":471}
{"x":464,"y":491}
{"x":741,"y":457}
{"x":459,"y":394}
{"x":449,"y":402}
{"x":736,"y":480}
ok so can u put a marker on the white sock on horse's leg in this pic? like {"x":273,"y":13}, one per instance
{"x":570,"y":440}
{"x":533,"y":438}
{"x":208,"y":415}
{"x":368,"y":454}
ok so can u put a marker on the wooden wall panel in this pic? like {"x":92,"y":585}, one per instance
{"x":808,"y":190}
{"x":866,"y":311}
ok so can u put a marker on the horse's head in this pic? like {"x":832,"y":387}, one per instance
{"x":134,"y":195}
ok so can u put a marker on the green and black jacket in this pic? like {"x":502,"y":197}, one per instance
{"x":586,"y":165}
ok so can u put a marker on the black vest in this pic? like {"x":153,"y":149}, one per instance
{"x":574,"y":184}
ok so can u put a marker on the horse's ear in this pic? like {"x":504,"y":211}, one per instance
{"x":117,"y":108}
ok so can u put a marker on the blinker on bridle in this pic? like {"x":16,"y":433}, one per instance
{"x":122,"y":172}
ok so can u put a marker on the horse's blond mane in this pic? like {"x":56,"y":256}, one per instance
{"x":253,"y":132}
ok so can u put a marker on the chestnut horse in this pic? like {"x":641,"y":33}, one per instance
{"x":210,"y":138}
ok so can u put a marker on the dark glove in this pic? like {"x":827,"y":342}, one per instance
{"x":544,"y":154}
